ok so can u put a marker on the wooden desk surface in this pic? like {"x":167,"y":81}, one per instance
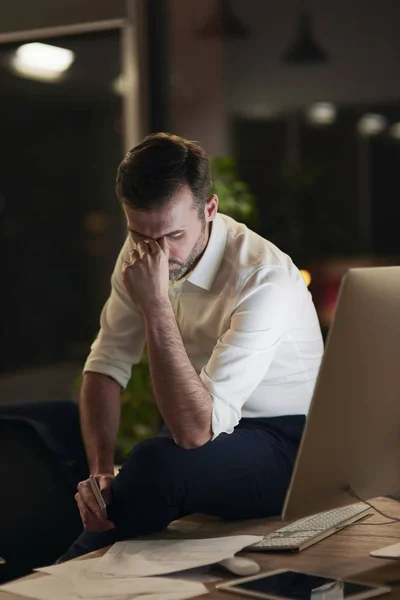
{"x":343,"y":555}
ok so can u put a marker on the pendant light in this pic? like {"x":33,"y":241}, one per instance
{"x":304,"y":50}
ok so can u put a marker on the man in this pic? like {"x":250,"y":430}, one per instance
{"x":234,"y":348}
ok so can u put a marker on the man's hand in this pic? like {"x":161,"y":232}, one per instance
{"x":90,"y":511}
{"x":146,"y":276}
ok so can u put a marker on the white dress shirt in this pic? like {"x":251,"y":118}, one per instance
{"x":247,"y":322}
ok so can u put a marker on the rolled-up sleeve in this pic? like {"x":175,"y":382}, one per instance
{"x":245,"y":351}
{"x":121,"y":338}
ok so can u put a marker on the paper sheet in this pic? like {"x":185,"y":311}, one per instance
{"x":128,"y":586}
{"x":50,"y":587}
{"x":47,"y":587}
{"x":83,"y":568}
{"x":73,"y":567}
{"x":137,"y":558}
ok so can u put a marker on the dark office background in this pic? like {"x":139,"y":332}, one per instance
{"x":226,"y":74}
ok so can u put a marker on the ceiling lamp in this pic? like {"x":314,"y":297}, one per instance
{"x":304,"y":50}
{"x":395,"y":131}
{"x":321,"y":113}
{"x":223,"y":23}
{"x":41,"y":61}
{"x":371,"y":124}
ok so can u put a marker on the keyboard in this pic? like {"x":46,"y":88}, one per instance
{"x":310,"y":530}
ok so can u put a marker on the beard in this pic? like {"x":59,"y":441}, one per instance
{"x":179,"y":269}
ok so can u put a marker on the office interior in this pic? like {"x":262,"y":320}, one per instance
{"x":299,"y":102}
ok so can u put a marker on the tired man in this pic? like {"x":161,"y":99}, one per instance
{"x":234,"y":348}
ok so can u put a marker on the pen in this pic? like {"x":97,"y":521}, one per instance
{"x":98,"y":496}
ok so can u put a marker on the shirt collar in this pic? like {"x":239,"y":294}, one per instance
{"x":206,"y":269}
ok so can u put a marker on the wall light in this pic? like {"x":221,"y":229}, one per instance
{"x":395,"y":131}
{"x":41,"y":61}
{"x":321,"y":113}
{"x":371,"y":124}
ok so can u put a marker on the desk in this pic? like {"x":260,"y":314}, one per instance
{"x":344,"y":554}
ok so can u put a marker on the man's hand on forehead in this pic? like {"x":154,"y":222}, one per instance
{"x":144,"y":246}
{"x":146,"y":276}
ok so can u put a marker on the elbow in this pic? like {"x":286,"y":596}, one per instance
{"x":191,"y":442}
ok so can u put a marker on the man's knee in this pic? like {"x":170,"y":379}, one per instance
{"x":150,"y":463}
{"x":148,"y":491}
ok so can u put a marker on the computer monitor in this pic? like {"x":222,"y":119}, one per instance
{"x":351,"y":441}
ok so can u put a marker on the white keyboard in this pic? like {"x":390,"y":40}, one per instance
{"x":305,"y":532}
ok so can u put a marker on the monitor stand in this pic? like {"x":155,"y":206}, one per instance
{"x":392,"y":551}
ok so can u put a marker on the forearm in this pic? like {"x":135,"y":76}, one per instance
{"x":99,"y":407}
{"x":184,"y":403}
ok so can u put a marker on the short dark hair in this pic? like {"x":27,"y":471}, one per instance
{"x":153,"y":171}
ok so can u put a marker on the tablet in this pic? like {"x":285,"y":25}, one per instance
{"x":293,"y":585}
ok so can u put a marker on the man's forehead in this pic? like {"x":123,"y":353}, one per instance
{"x":156,"y":234}
{"x":158,"y":222}
{"x":151,"y":222}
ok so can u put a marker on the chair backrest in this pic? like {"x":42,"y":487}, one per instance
{"x":39,"y":518}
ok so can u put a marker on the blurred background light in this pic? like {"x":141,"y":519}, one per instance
{"x":41,"y":61}
{"x":395,"y":131}
{"x":321,"y":113}
{"x":371,"y":124}
{"x":119,"y":85}
{"x":306,"y":276}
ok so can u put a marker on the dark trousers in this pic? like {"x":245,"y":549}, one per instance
{"x":238,"y":476}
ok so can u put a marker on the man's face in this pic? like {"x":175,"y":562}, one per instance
{"x":176,"y":226}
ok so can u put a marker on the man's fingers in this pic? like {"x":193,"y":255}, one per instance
{"x":152,"y":246}
{"x":135,"y":254}
{"x":89,"y":520}
{"x":87,"y":496}
{"x":146,"y":247}
{"x":83,"y":509}
{"x":124,"y":266}
{"x":142,"y":248}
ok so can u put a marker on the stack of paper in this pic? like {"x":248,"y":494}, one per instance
{"x":157,"y":557}
{"x":131,"y":570}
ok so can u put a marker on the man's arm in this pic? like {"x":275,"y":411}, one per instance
{"x":118,"y":345}
{"x":184,"y":403}
{"x":100,"y":408}
{"x":198,"y":408}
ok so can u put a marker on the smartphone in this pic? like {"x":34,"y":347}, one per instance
{"x":293,"y":585}
{"x":97,"y":494}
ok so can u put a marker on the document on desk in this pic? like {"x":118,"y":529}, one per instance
{"x":157,"y":557}
{"x":137,"y":586}
{"x":72,"y":568}
{"x":84,"y":569}
{"x":50,"y":587}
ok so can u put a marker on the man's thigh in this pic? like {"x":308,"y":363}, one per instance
{"x":241,"y":475}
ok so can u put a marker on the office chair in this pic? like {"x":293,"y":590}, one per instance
{"x":42,"y":461}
